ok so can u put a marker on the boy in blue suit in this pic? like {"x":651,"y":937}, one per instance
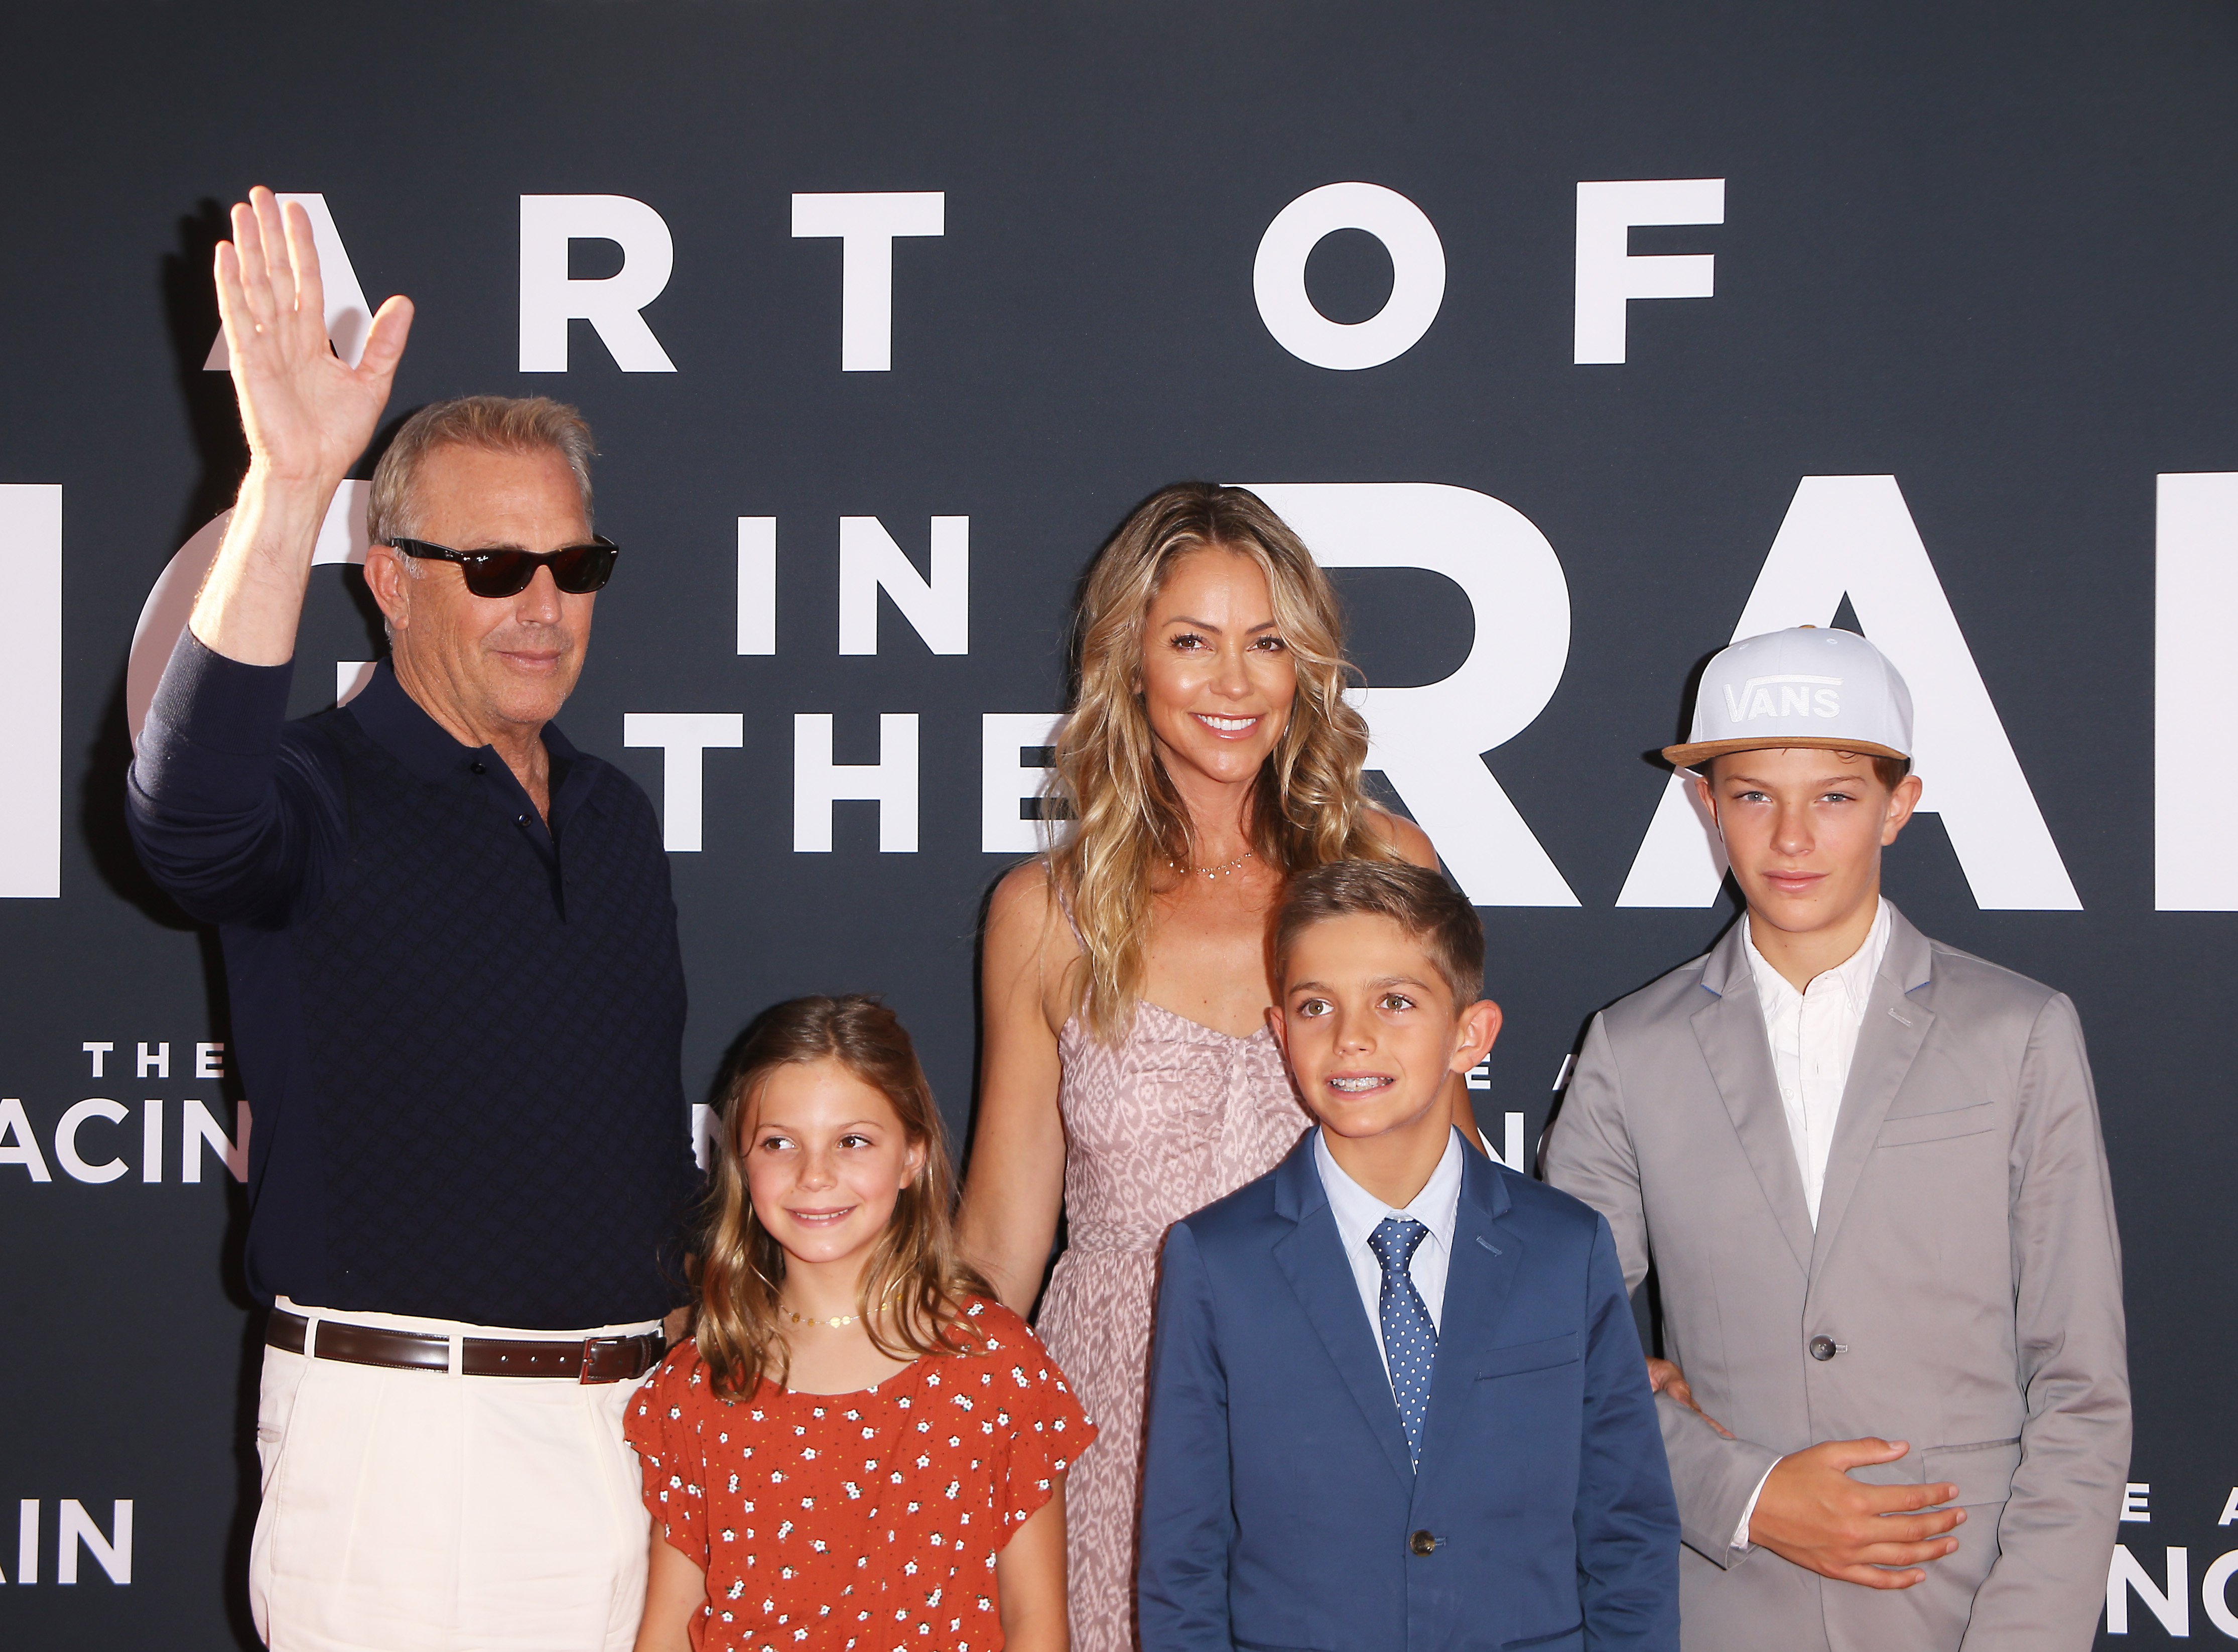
{"x":1397,"y":1400}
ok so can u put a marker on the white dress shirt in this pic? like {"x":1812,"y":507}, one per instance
{"x":1813,"y":1036}
{"x":1359,"y":1212}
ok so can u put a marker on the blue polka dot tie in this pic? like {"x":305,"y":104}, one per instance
{"x":1410,"y":1340}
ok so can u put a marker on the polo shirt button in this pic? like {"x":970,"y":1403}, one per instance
{"x":1421,"y":1543}
{"x":1822,"y":1348}
{"x":477,"y":766}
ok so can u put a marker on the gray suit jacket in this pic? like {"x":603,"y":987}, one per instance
{"x":1966,"y":1265}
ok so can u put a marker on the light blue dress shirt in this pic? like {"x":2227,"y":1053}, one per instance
{"x":1358,"y":1212}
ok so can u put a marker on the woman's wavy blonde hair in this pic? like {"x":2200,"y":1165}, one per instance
{"x":1127,"y":824}
{"x":914,"y":1275}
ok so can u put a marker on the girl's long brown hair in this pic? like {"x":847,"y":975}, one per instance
{"x":915,"y":1280}
{"x":1127,"y":824}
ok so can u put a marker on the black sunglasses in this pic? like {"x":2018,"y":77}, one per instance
{"x":577,"y":569}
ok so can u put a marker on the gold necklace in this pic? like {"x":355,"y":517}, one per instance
{"x":835,"y":1321}
{"x":1225,"y":869}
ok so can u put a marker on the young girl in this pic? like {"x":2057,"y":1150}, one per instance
{"x":859,"y":1447}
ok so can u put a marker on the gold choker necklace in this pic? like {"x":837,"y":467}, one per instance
{"x":836,"y":1321}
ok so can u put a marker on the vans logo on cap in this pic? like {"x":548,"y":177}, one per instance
{"x":1790,"y":696}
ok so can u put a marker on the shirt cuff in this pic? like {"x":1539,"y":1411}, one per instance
{"x":1748,"y":1511}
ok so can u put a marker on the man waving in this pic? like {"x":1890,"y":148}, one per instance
{"x":457,"y":992}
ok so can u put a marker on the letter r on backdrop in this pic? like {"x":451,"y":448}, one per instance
{"x":1429,"y":741}
{"x":1854,"y":536}
{"x":613,"y":304}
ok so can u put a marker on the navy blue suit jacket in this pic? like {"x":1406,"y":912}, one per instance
{"x":1278,"y":1508}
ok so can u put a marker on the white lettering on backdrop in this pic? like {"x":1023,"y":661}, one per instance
{"x":865,"y":226}
{"x":1849,"y":534}
{"x":1418,"y":275}
{"x":818,"y":782}
{"x":1011,"y":774}
{"x":1610,"y":275}
{"x":613,"y":305}
{"x":684,"y":739}
{"x":32,"y":689}
{"x":938,"y":607}
{"x":2194,"y":800}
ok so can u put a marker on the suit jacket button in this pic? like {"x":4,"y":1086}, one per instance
{"x":1822,"y":1348}
{"x":1421,"y":1543}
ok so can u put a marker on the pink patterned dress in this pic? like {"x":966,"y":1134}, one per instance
{"x":1160,"y":1125}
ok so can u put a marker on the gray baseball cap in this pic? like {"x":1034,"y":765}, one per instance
{"x":1810,"y":686}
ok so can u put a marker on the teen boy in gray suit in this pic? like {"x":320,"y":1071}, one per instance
{"x":1868,"y":1170}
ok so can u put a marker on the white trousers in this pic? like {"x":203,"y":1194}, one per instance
{"x":419,"y":1511}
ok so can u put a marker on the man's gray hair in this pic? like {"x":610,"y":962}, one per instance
{"x":498,"y":423}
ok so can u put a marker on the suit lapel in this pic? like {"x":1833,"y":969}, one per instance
{"x":1896,"y":1024}
{"x":1730,"y":1029}
{"x":1311,"y":1257}
{"x":1479,"y":1276}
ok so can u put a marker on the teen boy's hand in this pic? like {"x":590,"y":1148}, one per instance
{"x":1810,"y":1512}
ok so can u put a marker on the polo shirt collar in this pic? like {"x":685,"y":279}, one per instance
{"x":401,"y":726}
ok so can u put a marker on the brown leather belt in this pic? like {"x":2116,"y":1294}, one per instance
{"x":592,"y":1359}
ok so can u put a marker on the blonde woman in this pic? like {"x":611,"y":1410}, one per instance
{"x":1127,"y":1075}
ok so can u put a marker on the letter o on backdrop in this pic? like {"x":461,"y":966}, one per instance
{"x":1418,"y":275}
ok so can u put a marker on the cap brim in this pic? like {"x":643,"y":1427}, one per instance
{"x":1702,"y":751}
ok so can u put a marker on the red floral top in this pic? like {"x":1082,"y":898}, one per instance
{"x":867,"y":1521}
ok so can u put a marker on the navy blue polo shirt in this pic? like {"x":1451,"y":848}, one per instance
{"x":459,"y":1029}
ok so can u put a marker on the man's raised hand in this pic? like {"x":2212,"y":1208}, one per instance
{"x":1811,"y":1512}
{"x":308,"y":412}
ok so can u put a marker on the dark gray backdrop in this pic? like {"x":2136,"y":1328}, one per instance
{"x":1988,"y":249}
